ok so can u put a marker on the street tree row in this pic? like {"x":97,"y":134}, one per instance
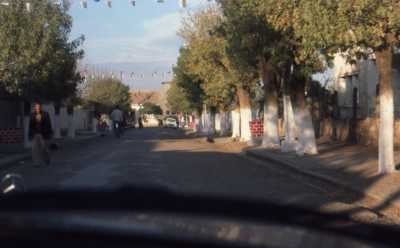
{"x":233,"y":45}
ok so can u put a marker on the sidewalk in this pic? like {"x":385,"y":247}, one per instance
{"x":353,"y":168}
{"x":8,"y":159}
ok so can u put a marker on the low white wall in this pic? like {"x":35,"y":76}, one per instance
{"x":81,"y":117}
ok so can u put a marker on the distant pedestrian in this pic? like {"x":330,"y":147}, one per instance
{"x":140,"y":120}
{"x":117,"y":117}
{"x":40,"y":132}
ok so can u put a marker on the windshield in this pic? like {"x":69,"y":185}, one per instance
{"x":293,"y":103}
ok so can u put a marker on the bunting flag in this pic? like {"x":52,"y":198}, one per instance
{"x":183,"y":3}
{"x":28,"y":7}
{"x":84,"y":4}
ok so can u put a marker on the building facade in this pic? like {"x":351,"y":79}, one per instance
{"x":364,"y":76}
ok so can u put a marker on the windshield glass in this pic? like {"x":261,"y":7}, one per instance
{"x":291,"y":103}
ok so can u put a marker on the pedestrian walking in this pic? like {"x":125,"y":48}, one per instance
{"x":140,"y":122}
{"x":40,"y":132}
{"x":117,"y":117}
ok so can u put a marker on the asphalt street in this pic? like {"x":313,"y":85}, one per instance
{"x":167,"y":158}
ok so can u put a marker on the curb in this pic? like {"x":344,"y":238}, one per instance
{"x":392,"y":209}
{"x":288,"y":165}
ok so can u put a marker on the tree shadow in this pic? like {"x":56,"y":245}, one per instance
{"x":139,"y":158}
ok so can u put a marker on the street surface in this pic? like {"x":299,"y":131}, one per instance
{"x":169,"y":159}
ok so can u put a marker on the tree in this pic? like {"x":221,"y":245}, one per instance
{"x":177,"y":99}
{"x":360,"y":28}
{"x":151,"y":108}
{"x":298,"y":60}
{"x":190,"y":84}
{"x":209,"y":62}
{"x":105,"y":94}
{"x":37,"y":58}
{"x":208,"y":59}
{"x":251,"y":43}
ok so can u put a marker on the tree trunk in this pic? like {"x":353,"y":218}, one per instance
{"x":205,"y":120}
{"x":245,"y":114}
{"x":236,"y":123}
{"x":307,"y":143}
{"x":289,"y":144}
{"x":211,"y":126}
{"x":218,"y":122}
{"x":197,"y":122}
{"x":71,"y":122}
{"x":386,"y":123}
{"x":26,"y":119}
{"x":271,"y":133}
{"x":224,"y":123}
{"x":57,"y":126}
{"x":57,"y":121}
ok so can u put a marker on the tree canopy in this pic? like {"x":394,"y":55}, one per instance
{"x":208,"y":58}
{"x":151,"y":108}
{"x":105,"y":94}
{"x":177,"y":99}
{"x":37,"y":58}
{"x":189,"y":83}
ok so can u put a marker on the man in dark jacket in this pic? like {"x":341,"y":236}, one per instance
{"x":40,"y":132}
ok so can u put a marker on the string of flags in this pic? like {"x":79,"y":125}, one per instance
{"x":123,"y":75}
{"x":84,"y":3}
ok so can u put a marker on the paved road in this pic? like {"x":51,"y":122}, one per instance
{"x":166,"y":158}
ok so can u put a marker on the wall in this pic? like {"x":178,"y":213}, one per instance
{"x":367,"y":130}
{"x":11,"y":135}
{"x":9,"y":110}
{"x":364,"y":76}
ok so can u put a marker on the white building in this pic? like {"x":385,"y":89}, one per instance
{"x":362,"y":75}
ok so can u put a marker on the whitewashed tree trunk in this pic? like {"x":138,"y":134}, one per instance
{"x":386,"y":123}
{"x":271,"y":131}
{"x":271,"y":134}
{"x":306,"y":134}
{"x":205,"y":118}
{"x":245,"y":115}
{"x":211,"y":125}
{"x":218,"y":122}
{"x":236,"y":123}
{"x":224,"y":123}
{"x":289,"y":144}
{"x":198,"y":123}
{"x":27,"y":143}
{"x":57,"y":126}
{"x":95,"y":123}
{"x":71,"y":126}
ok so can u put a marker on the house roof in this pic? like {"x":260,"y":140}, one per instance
{"x":142,"y":96}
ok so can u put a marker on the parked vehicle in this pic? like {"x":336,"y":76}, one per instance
{"x":171,"y":122}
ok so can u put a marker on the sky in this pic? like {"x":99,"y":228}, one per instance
{"x":140,"y":43}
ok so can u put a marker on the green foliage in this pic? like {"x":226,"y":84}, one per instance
{"x":107,"y":93}
{"x":351,"y":25}
{"x":151,"y":108}
{"x":208,"y":59}
{"x":37,"y":59}
{"x":177,"y":99}
{"x":189,"y":83}
{"x":250,"y":38}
